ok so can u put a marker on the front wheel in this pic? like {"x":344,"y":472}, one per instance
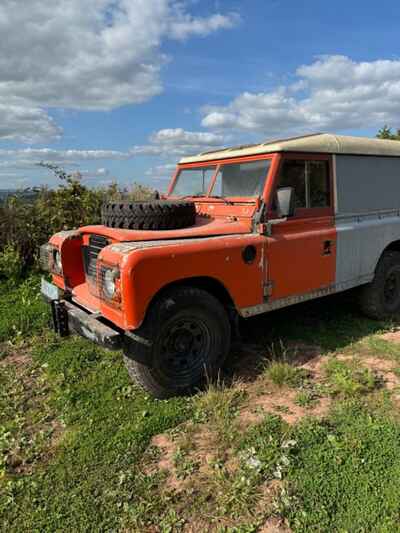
{"x":187,"y":333}
{"x":380,"y":299}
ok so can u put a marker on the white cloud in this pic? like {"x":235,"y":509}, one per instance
{"x":28,"y":124}
{"x":161,"y":172}
{"x":91,"y":55}
{"x":177,"y":142}
{"x":173,"y":142}
{"x":333,"y":93}
{"x":168,"y":144}
{"x":184,"y":25}
{"x":36,"y":155}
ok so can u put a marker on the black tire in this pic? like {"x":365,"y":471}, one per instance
{"x":380,"y":299}
{"x":154,"y":215}
{"x":185,"y":339}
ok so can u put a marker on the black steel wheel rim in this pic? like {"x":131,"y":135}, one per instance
{"x":391,"y":290}
{"x":185,"y":346}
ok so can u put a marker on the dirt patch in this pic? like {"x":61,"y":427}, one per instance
{"x":264,"y":397}
{"x":380,"y":365}
{"x":392,"y":336}
{"x":165,"y":462}
{"x":17,"y":357}
{"x":282,"y":402}
{"x":275,"y":525}
{"x":385,"y":368}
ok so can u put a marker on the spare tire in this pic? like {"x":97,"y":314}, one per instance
{"x":154,"y":215}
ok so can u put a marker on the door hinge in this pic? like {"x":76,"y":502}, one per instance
{"x":268,"y":287}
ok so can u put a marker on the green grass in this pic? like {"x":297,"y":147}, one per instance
{"x":344,"y":474}
{"x":22,"y":311}
{"x":91,"y":480}
{"x":75,"y":435}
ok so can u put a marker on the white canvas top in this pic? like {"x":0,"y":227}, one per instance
{"x":324,"y":143}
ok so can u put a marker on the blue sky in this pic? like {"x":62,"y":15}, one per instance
{"x":124,"y":89}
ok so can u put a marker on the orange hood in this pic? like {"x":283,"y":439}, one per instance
{"x":204,"y":227}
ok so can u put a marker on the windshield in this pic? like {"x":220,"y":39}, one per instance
{"x":234,"y":179}
{"x":194,"y":181}
{"x":241,"y":179}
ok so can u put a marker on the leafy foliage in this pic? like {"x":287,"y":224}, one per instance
{"x":28,"y":221}
{"x":386,"y":133}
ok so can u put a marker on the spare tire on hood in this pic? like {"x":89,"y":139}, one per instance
{"x":153,"y":215}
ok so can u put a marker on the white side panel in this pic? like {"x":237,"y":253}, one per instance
{"x":361,"y":239}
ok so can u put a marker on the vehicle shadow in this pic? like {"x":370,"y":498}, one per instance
{"x":299,"y":333}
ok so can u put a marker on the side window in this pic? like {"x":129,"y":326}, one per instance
{"x":318,"y":173}
{"x":310,"y":180}
{"x":293,"y":174}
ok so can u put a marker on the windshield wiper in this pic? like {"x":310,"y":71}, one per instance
{"x":227,"y":202}
{"x":194,"y":196}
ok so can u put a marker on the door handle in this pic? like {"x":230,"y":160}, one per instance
{"x":327,"y":247}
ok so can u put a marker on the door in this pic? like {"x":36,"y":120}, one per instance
{"x":301,"y":250}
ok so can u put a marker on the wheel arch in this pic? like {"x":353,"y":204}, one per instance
{"x":209,"y":284}
{"x":394,"y":246}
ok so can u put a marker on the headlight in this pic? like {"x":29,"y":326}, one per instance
{"x":110,"y":277}
{"x":50,"y":259}
{"x":57,"y":260}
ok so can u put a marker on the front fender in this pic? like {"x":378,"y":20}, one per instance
{"x":146,"y":268}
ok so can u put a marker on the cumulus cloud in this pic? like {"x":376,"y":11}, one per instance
{"x":95,"y":55}
{"x":183,"y":25}
{"x":177,"y":142}
{"x":27,"y":124}
{"x":332,"y":93}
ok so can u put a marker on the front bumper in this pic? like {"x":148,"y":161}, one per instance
{"x":69,"y":317}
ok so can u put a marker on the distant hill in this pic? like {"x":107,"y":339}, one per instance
{"x":24,"y":193}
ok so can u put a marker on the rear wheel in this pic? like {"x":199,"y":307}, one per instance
{"x":186,"y":337}
{"x":380,"y":299}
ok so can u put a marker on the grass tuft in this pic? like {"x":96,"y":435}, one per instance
{"x":349,"y":379}
{"x":218,"y":406}
{"x":282,"y":373}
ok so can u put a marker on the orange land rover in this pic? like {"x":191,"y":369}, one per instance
{"x":241,"y":231}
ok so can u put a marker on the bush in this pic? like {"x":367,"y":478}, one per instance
{"x":27,"y":221}
{"x":10,"y":264}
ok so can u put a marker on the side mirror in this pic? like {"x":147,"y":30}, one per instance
{"x":285,"y":197}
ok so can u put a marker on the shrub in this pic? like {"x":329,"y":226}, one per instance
{"x":28,"y":220}
{"x":10,"y":263}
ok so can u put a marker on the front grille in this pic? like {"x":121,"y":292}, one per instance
{"x":91,"y":253}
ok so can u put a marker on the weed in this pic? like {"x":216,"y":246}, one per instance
{"x":282,"y":373}
{"x":348,"y":378}
{"x":184,"y":465}
{"x":307,"y":398}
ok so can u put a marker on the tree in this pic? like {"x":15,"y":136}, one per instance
{"x":386,"y":133}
